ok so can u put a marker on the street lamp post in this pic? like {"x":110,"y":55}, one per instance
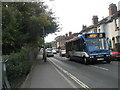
{"x":44,"y":52}
{"x":1,"y":46}
{"x":1,"y":73}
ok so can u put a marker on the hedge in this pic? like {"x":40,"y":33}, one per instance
{"x":19,"y":65}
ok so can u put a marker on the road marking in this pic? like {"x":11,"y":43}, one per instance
{"x":64,"y":77}
{"x":99,"y":67}
{"x":71,"y":76}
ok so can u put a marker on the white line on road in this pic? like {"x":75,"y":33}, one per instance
{"x":64,"y":77}
{"x":71,"y":76}
{"x":99,"y":67}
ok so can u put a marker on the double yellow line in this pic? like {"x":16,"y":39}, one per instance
{"x":71,"y":76}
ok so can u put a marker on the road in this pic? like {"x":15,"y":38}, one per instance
{"x":78,"y":75}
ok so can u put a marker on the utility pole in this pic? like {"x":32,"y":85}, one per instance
{"x":1,"y":85}
{"x":1,"y":73}
{"x":44,"y":52}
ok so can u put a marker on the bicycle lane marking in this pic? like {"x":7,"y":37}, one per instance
{"x":71,"y":76}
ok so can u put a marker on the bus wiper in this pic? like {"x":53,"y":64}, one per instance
{"x":95,"y":51}
{"x":103,"y":50}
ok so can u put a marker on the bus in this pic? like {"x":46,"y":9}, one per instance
{"x":89,"y":47}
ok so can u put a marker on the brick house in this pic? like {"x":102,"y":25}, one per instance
{"x":60,"y":40}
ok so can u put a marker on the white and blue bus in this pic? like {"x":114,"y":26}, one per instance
{"x":89,"y":47}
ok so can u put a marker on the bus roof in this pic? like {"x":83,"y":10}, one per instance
{"x":88,"y":36}
{"x":92,"y":33}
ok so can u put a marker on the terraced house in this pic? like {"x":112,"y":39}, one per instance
{"x":110,"y":25}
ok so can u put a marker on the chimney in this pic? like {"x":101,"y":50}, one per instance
{"x":83,"y":27}
{"x":95,"y":20}
{"x":70,"y":33}
{"x":66,"y":35}
{"x":112,"y":9}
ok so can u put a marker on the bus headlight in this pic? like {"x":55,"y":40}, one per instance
{"x":108,"y":55}
{"x":91,"y":56}
{"x":86,"y":54}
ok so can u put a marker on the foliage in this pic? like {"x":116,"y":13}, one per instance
{"x":23,"y":23}
{"x":22,"y":33}
{"x":48,"y":45}
{"x":19,"y":65}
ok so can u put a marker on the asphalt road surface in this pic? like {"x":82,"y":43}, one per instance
{"x":78,"y":75}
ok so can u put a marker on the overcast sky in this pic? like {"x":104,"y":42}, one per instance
{"x":72,"y":14}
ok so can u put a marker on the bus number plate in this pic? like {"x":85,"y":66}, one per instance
{"x":100,"y":59}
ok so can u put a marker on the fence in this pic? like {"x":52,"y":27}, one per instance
{"x":5,"y":82}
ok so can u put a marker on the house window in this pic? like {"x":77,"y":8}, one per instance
{"x":117,"y":25}
{"x":98,"y":30}
{"x":118,"y":39}
{"x":95,"y":30}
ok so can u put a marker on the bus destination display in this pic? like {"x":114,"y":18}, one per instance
{"x":94,"y":35}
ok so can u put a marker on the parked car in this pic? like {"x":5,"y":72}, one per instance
{"x":62,"y":52}
{"x":57,"y":50}
{"x":49,"y":52}
{"x":54,"y":51}
{"x":115,"y":55}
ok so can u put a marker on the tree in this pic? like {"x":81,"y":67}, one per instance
{"x":23,"y":24}
{"x":48,"y":45}
{"x":10,"y":27}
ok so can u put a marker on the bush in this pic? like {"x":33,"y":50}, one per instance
{"x":19,"y":65}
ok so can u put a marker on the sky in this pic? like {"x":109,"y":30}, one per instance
{"x":72,"y":14}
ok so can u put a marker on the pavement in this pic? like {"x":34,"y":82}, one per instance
{"x":45,"y":75}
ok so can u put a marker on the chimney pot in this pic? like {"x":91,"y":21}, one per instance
{"x":70,"y":33}
{"x":66,"y":35}
{"x":95,"y":20}
{"x":83,"y":27}
{"x":112,"y":9}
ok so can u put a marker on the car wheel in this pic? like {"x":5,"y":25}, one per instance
{"x":70,"y":59}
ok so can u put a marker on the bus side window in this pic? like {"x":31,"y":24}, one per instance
{"x":69,"y":46}
{"x":77,"y":45}
{"x":73,"y":46}
{"x":81,"y":44}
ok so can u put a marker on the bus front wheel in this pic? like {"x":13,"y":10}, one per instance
{"x":108,"y":61}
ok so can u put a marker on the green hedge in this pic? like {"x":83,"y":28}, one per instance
{"x":19,"y":65}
